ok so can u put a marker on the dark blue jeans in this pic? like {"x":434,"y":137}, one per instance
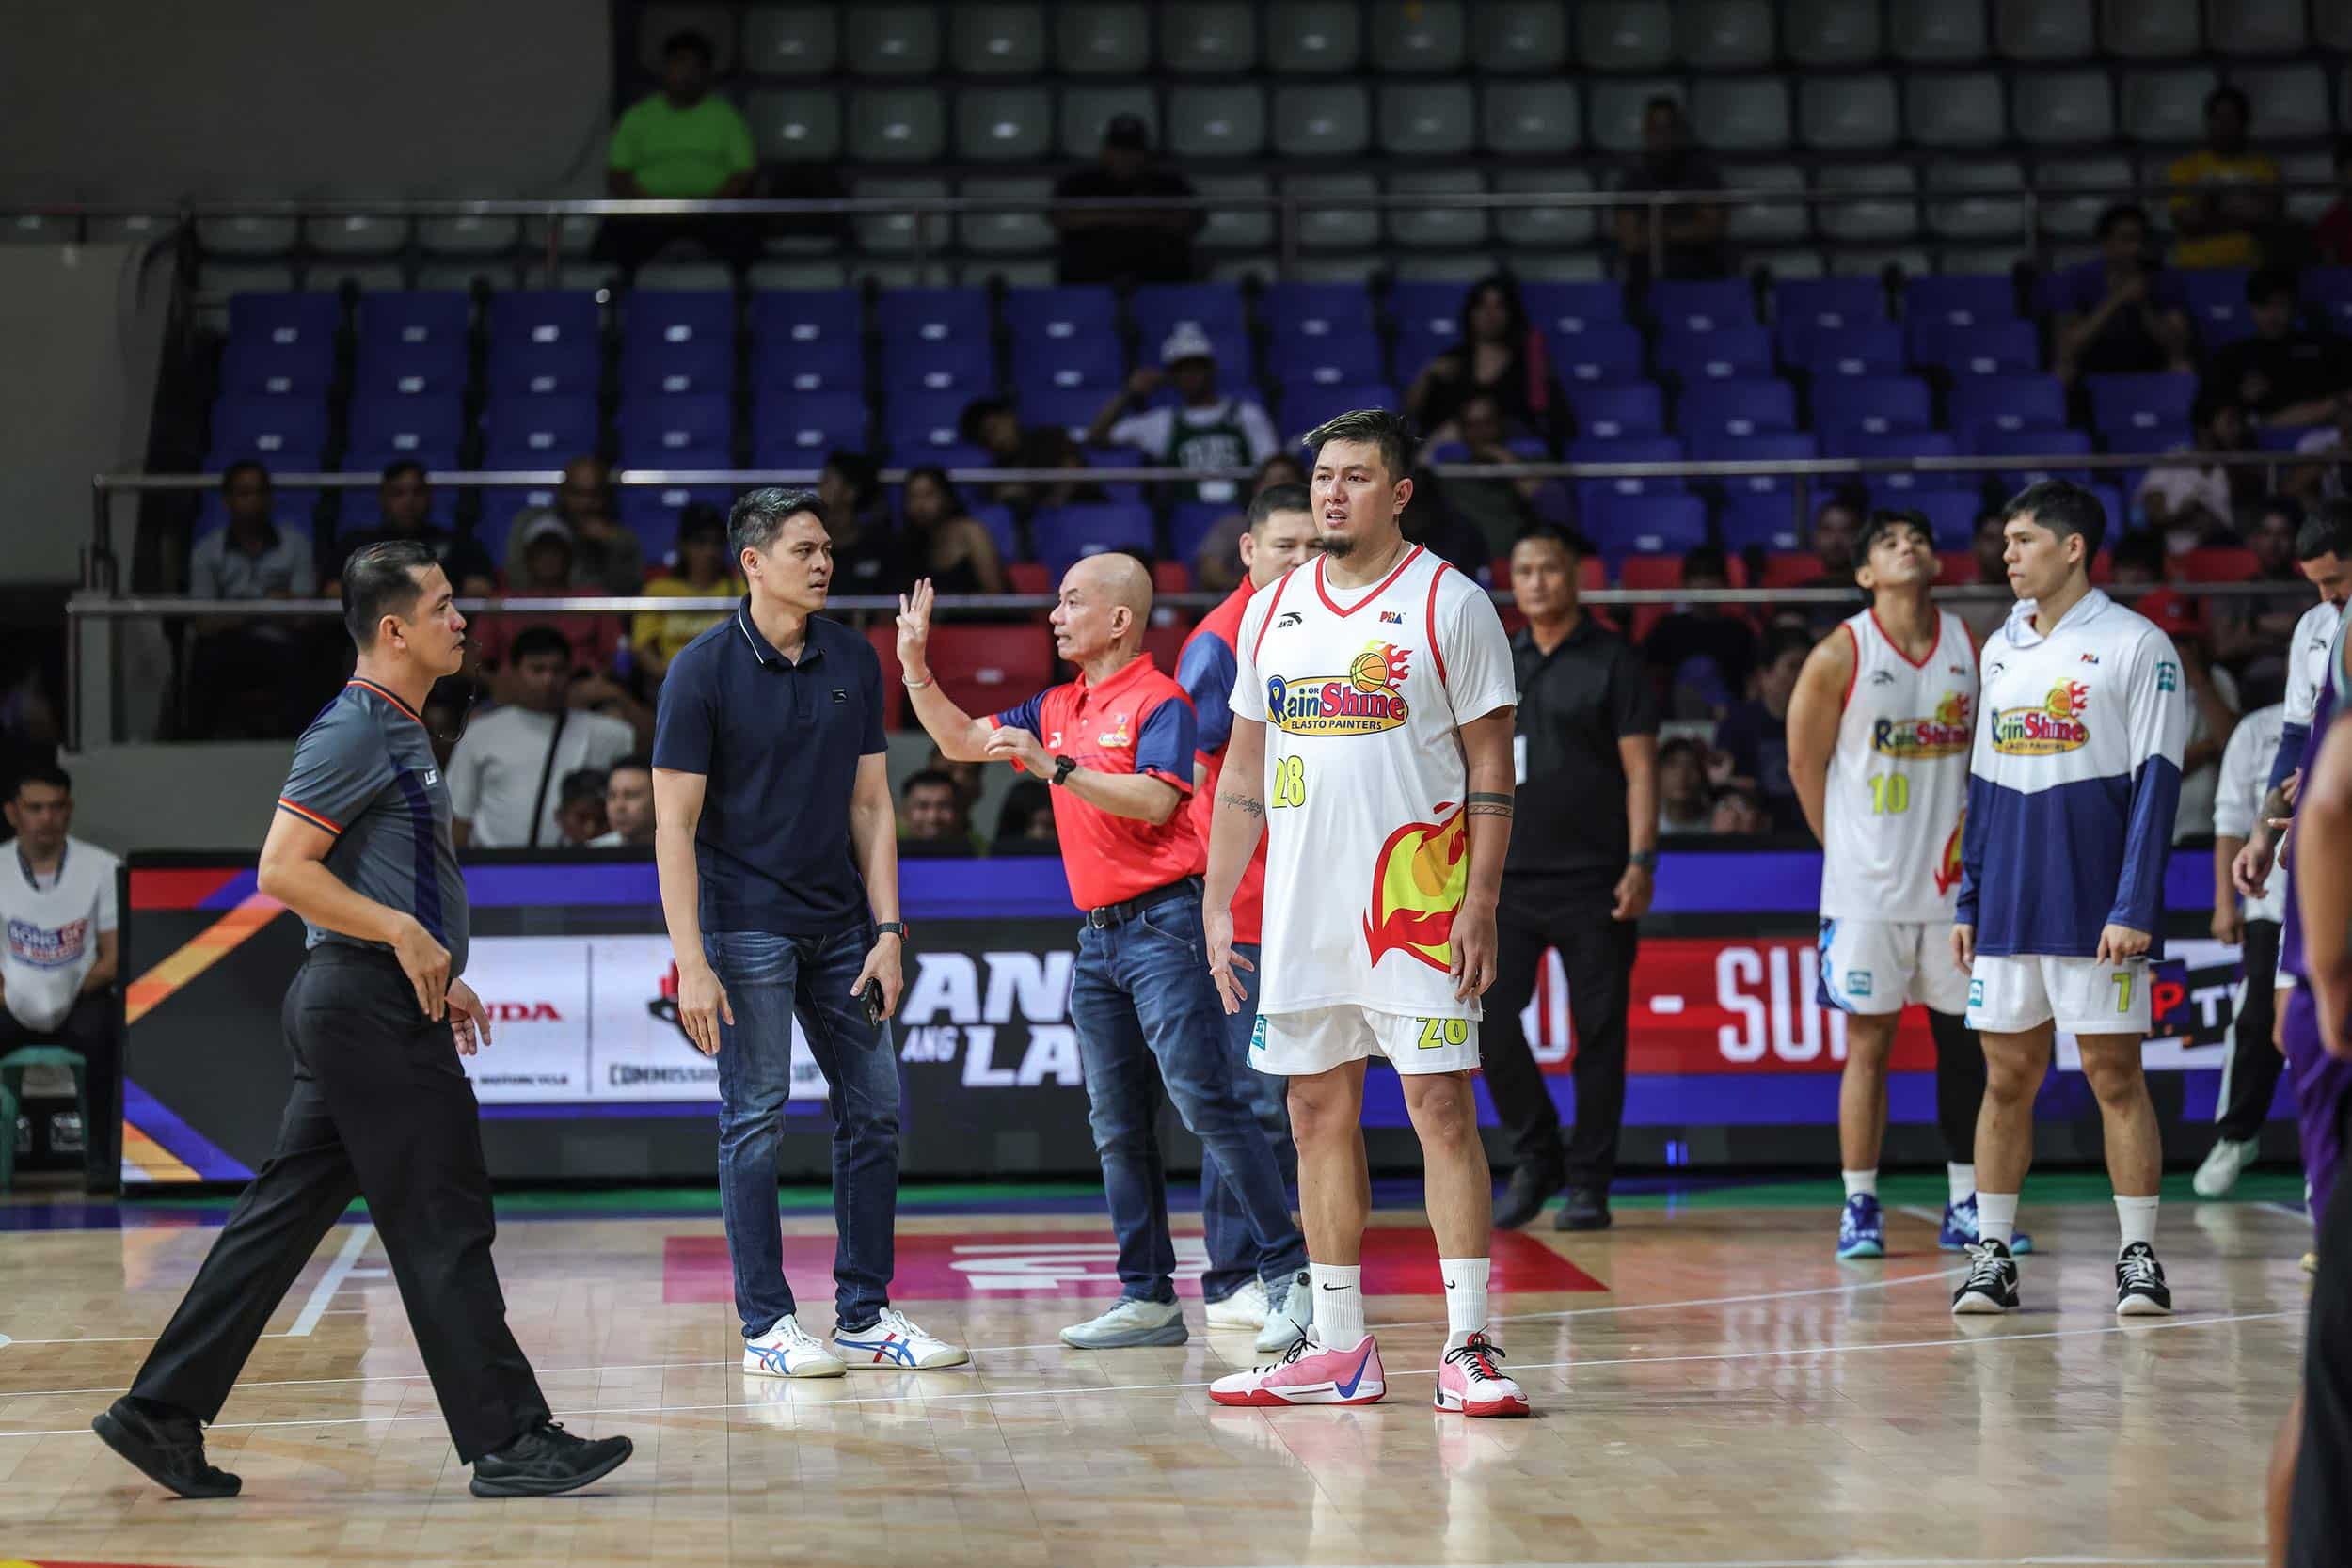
{"x":770,"y":980}
{"x":1147,"y":1015}
{"x":1232,"y":1256}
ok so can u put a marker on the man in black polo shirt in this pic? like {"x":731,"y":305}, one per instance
{"x":777,"y":847}
{"x":1578,"y":878}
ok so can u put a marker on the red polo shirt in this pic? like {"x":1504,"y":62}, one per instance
{"x":1137,"y":721}
{"x":1205,"y":669}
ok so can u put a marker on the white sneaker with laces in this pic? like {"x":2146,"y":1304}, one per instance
{"x":789,"y":1350}
{"x":1291,"y":1320}
{"x":1130,"y":1323}
{"x":896,"y":1344}
{"x":2222,"y":1167}
{"x":1245,"y":1308}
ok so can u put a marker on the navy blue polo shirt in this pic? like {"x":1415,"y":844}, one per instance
{"x":778,"y":744}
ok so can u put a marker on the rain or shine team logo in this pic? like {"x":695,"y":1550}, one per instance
{"x":1418,"y":882}
{"x":1946,"y":733}
{"x":2054,"y":725}
{"x":1364,"y":701}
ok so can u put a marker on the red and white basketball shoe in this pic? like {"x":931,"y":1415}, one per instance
{"x":1309,"y":1374}
{"x":1471,"y":1382}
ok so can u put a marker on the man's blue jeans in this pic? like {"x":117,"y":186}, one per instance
{"x":770,"y":979}
{"x":1232,"y":1256}
{"x":1147,"y":1015}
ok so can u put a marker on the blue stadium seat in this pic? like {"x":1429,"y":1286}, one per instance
{"x":1981,"y":403}
{"x":677,"y":343}
{"x":2123,"y":404}
{"x":1308,"y":404}
{"x":255,"y":367}
{"x":1003,"y":530}
{"x":1984,"y":348}
{"x":2328,"y":290}
{"x":915,"y":424}
{"x":2034,"y":443}
{"x":282,"y":431}
{"x":1614,"y":410}
{"x":1644,"y":448}
{"x":407,"y":425}
{"x":1869,"y":348}
{"x":827,"y":365}
{"x":1935,"y":306}
{"x":1120,"y":457}
{"x":1156,"y":307}
{"x":545,"y":342}
{"x":1737,"y":408}
{"x":800,"y":428}
{"x":1072,"y":408}
{"x":1067,"y":534}
{"x":677,"y":431}
{"x":1598,"y":354}
{"x":285,"y":319}
{"x":1870,"y":404}
{"x":1623,"y":525}
{"x":538,"y":433}
{"x":1061,"y":314}
{"x":572,"y":369}
{"x":2211,"y":293}
{"x":1428,"y":307}
{"x":965,"y":365}
{"x":1770,"y":447}
{"x":1951,"y":510}
{"x":1189,"y":523}
{"x":413,"y":343}
{"x":1759,"y":520}
{"x":697,"y":369}
{"x":1316,"y":311}
{"x":1718,"y":354}
{"x":934,"y":316}
{"x":1896,"y":443}
{"x":1565,"y":310}
{"x":1700,"y":305}
{"x":1091,"y":359}
{"x":1341,"y":358}
{"x":651,"y":512}
{"x":1802,"y":307}
{"x":792,"y":321}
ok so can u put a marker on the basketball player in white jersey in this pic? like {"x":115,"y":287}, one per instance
{"x":1371,"y":745}
{"x":1880,"y":729}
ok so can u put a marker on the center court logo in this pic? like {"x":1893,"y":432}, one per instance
{"x":1418,"y":880}
{"x":2055,"y":725}
{"x":1365,"y":701}
{"x":1946,"y":733}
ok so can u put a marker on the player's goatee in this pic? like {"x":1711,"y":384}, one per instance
{"x":1335,"y":545}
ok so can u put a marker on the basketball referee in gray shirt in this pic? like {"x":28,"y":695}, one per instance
{"x":375,"y":1021}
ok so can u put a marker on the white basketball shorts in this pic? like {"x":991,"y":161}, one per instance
{"x":2009,"y":995}
{"x":1876,"y":966}
{"x":1301,"y":1044}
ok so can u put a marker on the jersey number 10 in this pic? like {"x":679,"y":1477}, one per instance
{"x":1890,"y":794}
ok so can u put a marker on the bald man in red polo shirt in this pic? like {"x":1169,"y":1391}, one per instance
{"x":1280,"y":534}
{"x":1117,"y":745}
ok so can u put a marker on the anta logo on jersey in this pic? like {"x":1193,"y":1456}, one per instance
{"x":1365,"y":701}
{"x":1947,"y":733}
{"x":1418,"y":880}
{"x":2053,"y":726}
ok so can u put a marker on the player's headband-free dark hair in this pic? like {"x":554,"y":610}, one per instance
{"x":2064,"y":508}
{"x":40,"y":773}
{"x":760,"y":515}
{"x":1577,"y":546}
{"x":1375,"y":427}
{"x":1886,"y":519}
{"x":1277,"y":497}
{"x":2326,"y":531}
{"x":381,"y":579}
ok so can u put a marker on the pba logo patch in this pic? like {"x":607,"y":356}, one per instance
{"x":2055,"y":725}
{"x":1364,"y":701}
{"x":1857,"y":982}
{"x":1946,"y":733}
{"x":1418,"y":880}
{"x":2168,"y":675}
{"x":1976,"y":993}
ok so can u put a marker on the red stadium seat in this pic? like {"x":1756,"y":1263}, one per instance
{"x":1649,"y":572}
{"x":1170,"y":576}
{"x":2223,"y":563}
{"x":1027,"y":577}
{"x":1164,"y":642}
{"x":988,"y":668}
{"x":883,"y":635}
{"x":1790,"y":568}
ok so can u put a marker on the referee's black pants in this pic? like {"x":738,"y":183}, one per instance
{"x":1570,"y":911}
{"x":380,"y":1110}
{"x":2251,"y":1080}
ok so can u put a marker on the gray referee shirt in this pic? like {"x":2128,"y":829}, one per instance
{"x":365,"y":772}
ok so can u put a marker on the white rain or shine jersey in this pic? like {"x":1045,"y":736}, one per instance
{"x":1361,"y":691}
{"x":1899,"y":779}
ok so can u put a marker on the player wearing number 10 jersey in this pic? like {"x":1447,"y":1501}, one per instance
{"x":1372,"y":706}
{"x":1878,"y":734}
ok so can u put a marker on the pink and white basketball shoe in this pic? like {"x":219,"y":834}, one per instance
{"x":1471,"y":1382}
{"x":1309,"y":1374}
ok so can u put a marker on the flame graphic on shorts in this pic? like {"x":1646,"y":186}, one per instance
{"x":1418,"y":882}
{"x":1947,"y":873}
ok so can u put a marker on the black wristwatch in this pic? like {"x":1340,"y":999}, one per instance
{"x":891,"y":928}
{"x":1063,"y":768}
{"x":1646,"y":858}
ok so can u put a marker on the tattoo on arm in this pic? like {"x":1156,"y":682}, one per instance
{"x":1483,"y":803}
{"x":1249,"y":803}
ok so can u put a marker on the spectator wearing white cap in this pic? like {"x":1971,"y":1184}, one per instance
{"x":1201,"y":431}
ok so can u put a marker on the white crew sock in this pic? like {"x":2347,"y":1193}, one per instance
{"x":1861,"y":1181}
{"x":1465,"y":1298}
{"x":1339,"y":1305}
{"x":1997,"y":1217}
{"x":1962,"y":1180}
{"x":2138,"y":1217}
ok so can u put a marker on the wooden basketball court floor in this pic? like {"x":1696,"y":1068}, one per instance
{"x":1710,"y":1387}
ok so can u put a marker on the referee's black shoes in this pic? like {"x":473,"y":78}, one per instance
{"x":167,"y":1445}
{"x":1586,"y":1209}
{"x":1531,"y":1186}
{"x":548,"y":1460}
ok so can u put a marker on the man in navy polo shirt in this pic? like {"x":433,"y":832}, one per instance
{"x":777,"y":847}
{"x":1117,"y":746}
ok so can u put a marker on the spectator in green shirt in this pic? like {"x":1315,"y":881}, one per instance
{"x":682,"y":143}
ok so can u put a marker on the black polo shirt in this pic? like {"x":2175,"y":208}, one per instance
{"x":778,"y":744}
{"x":1575,"y":703}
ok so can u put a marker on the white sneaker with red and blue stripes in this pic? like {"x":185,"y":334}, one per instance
{"x":893,"y":1343}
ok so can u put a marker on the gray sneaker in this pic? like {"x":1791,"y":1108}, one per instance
{"x":1289,"y":1319}
{"x":1129,"y":1325}
{"x":2223,"y":1166}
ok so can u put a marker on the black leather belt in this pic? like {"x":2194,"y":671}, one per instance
{"x":1119,"y":914}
